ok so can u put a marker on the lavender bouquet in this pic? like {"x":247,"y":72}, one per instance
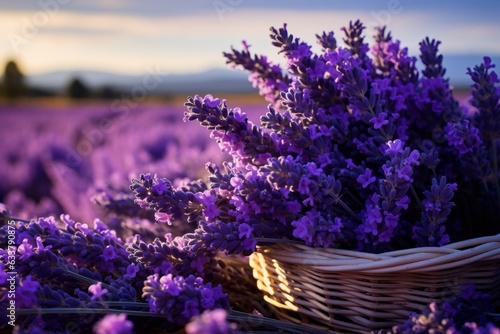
{"x":358,"y":150}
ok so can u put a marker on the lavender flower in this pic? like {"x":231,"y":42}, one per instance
{"x":316,"y":230}
{"x":158,"y":194}
{"x":114,"y":324}
{"x":391,"y":61}
{"x":179,"y":299}
{"x":431,"y":59}
{"x":432,"y":320}
{"x":327,"y":41}
{"x":430,"y":231}
{"x":171,"y":256}
{"x":485,"y":96}
{"x":385,"y":207}
{"x":471,"y":306}
{"x":97,"y":291}
{"x":211,"y":322}
{"x":25,"y":292}
{"x":266,"y":76}
{"x":245,"y":142}
{"x":354,"y":40}
{"x":463,"y":137}
{"x":230,"y":238}
{"x":464,"y":314}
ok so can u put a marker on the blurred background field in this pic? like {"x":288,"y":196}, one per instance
{"x":56,"y":154}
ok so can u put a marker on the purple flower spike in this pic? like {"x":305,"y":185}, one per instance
{"x":430,"y":231}
{"x":179,"y":298}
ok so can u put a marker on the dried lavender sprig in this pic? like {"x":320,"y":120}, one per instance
{"x":294,"y":138}
{"x":391,"y":61}
{"x":49,"y":267}
{"x":98,"y":248}
{"x":318,"y":230}
{"x":309,"y":113}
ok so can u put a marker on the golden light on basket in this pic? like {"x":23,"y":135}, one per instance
{"x":268,"y":283}
{"x":261,"y":274}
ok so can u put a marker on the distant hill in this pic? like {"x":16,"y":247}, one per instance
{"x":214,"y":80}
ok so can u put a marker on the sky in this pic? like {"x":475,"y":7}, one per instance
{"x":130,"y":36}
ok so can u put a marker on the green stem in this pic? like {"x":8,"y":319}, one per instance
{"x":87,"y":280}
{"x":348,"y":209}
{"x":415,"y":196}
{"x":128,"y":304}
{"x":277,"y":240}
{"x":236,"y":316}
{"x":289,"y":327}
{"x":81,"y":310}
{"x":354,"y":198}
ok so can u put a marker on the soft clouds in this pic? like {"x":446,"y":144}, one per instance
{"x":130,"y":41}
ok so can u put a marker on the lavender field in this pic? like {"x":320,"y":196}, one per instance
{"x":55,"y":158}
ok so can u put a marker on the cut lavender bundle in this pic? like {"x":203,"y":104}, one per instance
{"x":358,"y":152}
{"x":349,"y":158}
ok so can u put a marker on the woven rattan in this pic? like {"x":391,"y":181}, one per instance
{"x":346,"y":291}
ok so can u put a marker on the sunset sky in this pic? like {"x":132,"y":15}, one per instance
{"x":129,"y":36}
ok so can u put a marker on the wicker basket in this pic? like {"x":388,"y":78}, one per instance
{"x":343,"y":291}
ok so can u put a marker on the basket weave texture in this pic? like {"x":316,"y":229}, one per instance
{"x":344,"y":291}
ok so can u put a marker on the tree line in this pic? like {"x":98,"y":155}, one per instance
{"x":13,"y":86}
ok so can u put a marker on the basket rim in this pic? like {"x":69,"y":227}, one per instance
{"x":412,"y":259}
